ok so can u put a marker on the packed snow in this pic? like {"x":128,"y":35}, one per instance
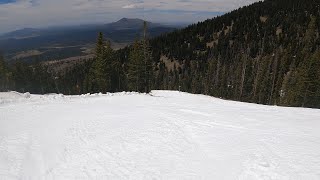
{"x":164,"y":135}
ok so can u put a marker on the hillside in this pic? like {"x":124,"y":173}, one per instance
{"x":264,"y":53}
{"x":168,"y":135}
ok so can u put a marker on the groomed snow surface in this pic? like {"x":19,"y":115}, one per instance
{"x":168,"y":135}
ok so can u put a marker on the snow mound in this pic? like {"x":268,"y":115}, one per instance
{"x":164,"y":135}
{"x":8,"y":97}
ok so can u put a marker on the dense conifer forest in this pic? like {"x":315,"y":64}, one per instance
{"x":266,"y":53}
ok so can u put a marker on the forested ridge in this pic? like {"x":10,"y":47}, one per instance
{"x":266,"y":53}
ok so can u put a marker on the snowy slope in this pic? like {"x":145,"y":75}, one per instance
{"x":169,"y":135}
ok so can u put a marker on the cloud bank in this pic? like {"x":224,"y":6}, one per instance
{"x":16,"y":14}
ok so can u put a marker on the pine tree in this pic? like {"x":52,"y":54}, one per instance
{"x":4,"y":75}
{"x":140,"y":66}
{"x":147,"y":58}
{"x":136,"y":68}
{"x":304,"y":70}
{"x":99,"y":79}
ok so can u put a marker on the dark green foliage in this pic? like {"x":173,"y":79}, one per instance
{"x":140,"y":65}
{"x":266,"y":53}
{"x":140,"y":68}
{"x":99,"y":75}
{"x":75,"y":80}
{"x":135,"y":68}
{"x":5,"y":75}
{"x":33,"y":78}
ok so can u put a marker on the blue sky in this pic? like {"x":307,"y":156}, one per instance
{"x":6,"y":1}
{"x":17,"y":14}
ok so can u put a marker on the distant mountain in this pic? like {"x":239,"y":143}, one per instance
{"x":21,"y":34}
{"x":126,"y":23}
{"x":51,"y":41}
{"x":122,"y":24}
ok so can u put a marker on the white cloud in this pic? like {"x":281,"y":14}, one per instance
{"x":42,"y":13}
{"x":130,"y":6}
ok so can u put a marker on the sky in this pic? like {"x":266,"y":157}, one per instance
{"x":18,"y":14}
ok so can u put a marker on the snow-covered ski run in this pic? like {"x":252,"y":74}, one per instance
{"x":169,"y":135}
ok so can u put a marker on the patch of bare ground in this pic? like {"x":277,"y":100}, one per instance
{"x":170,"y":64}
{"x":263,"y":19}
{"x":25,"y":54}
{"x":61,"y":66}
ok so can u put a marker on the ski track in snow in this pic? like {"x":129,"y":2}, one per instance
{"x":168,"y":135}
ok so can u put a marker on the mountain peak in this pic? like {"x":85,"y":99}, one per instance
{"x":128,"y":20}
{"x":128,"y":23}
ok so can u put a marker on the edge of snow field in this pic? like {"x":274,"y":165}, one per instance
{"x":16,"y":97}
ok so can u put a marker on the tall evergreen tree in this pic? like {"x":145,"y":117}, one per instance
{"x":147,"y":58}
{"x":140,"y":65}
{"x":136,"y":68}
{"x":99,"y":79}
{"x":4,"y":75}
